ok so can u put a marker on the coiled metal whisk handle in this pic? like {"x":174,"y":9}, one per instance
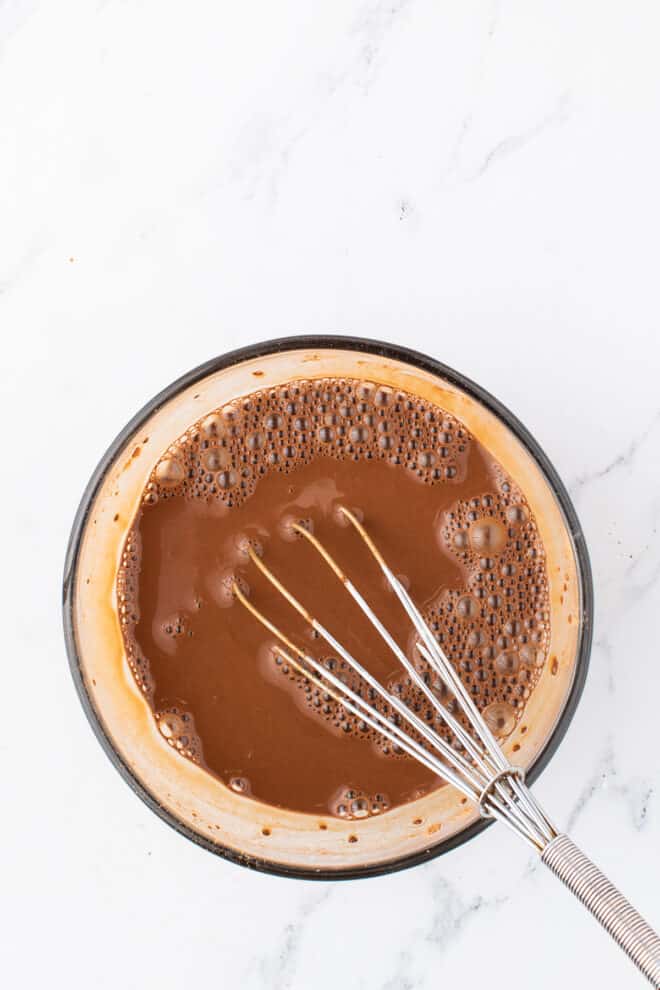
{"x":612,"y":910}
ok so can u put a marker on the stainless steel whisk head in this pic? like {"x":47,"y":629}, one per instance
{"x":475,"y":764}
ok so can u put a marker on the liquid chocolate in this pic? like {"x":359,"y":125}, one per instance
{"x":455,"y":529}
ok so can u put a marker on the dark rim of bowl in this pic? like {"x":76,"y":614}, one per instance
{"x":386,"y":350}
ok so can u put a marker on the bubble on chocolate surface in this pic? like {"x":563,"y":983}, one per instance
{"x":290,"y":526}
{"x":500,"y":718}
{"x":466,"y":607}
{"x":531,"y":656}
{"x":215,"y":459}
{"x":516,"y":515}
{"x":211,"y":426}
{"x":240,"y":784}
{"x":227,"y":480}
{"x":177,"y":727}
{"x":170,"y":725}
{"x":247,"y":545}
{"x":487,"y":536}
{"x":460,"y":539}
{"x":507,"y":662}
{"x":354,"y":803}
{"x":225,"y":587}
{"x":169,"y":472}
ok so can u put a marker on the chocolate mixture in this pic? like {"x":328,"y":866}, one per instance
{"x":449,"y":522}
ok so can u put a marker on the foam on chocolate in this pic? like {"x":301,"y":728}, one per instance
{"x":488,"y":606}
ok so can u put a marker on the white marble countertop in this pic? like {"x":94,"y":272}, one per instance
{"x":478,"y":180}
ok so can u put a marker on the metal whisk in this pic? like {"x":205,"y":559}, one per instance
{"x":476,"y":766}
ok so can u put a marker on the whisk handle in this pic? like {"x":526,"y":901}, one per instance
{"x":615,"y":913}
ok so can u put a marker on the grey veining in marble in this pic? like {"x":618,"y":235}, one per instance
{"x":478,"y":180}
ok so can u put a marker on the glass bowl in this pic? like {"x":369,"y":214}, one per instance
{"x":194,"y":802}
